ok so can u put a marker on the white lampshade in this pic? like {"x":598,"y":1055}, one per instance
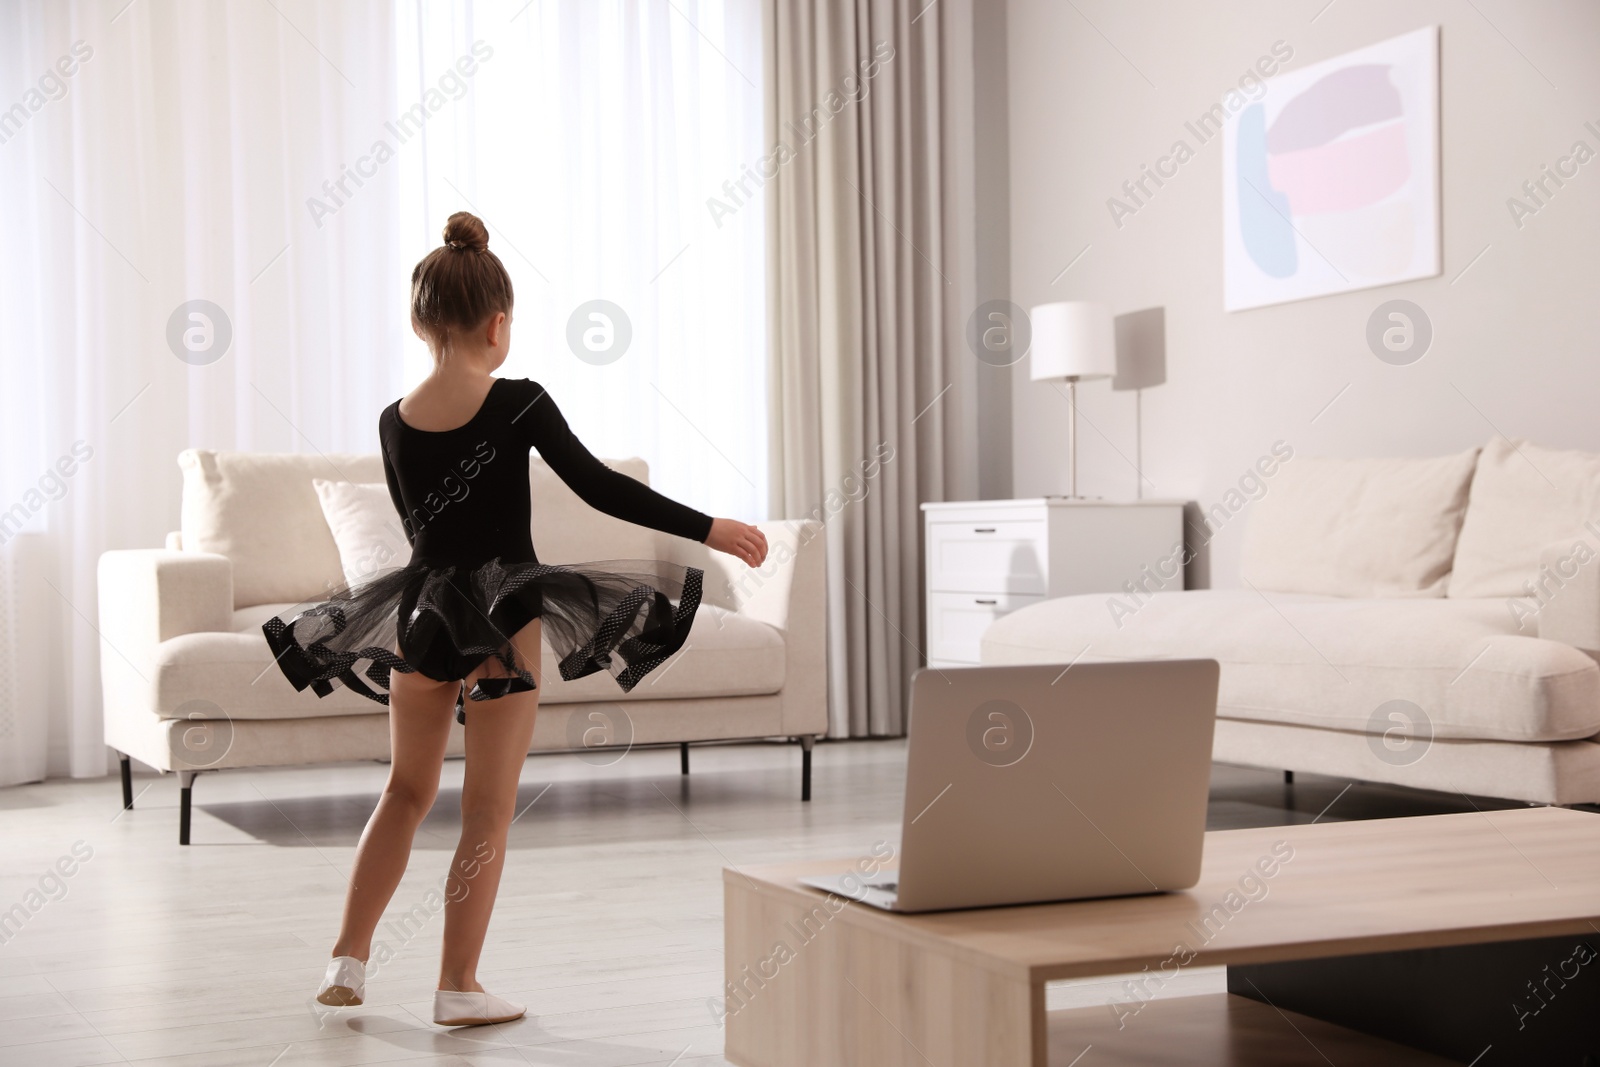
{"x":1072,"y":339}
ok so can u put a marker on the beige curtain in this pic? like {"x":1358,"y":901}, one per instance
{"x":864,"y":319}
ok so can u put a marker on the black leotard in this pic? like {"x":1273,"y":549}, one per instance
{"x":474,"y":582}
{"x":464,"y":492}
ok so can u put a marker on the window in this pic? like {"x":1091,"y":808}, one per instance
{"x":593,"y":138}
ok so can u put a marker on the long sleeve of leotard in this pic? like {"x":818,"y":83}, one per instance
{"x":394,"y":495}
{"x":599,"y":486}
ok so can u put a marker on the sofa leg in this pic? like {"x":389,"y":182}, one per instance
{"x":805,"y":766}
{"x":683,"y":757}
{"x":185,"y":803}
{"x":1288,"y":778}
{"x":127,"y":782}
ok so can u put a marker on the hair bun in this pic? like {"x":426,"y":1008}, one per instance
{"x":466,"y":231}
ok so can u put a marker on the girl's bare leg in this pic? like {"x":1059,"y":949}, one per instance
{"x":420,"y":712}
{"x":498,"y":735}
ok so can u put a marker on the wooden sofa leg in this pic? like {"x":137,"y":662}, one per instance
{"x":127,"y":782}
{"x":805,"y":765}
{"x":185,"y":803}
{"x":683,"y":757}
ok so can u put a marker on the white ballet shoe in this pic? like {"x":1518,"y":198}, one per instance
{"x":472,"y":1009}
{"x":345,"y":984}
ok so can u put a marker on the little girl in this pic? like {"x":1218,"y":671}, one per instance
{"x":464,"y":619}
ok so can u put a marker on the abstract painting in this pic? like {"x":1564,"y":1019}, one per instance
{"x":1330,"y":178}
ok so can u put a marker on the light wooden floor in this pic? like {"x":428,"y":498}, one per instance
{"x":609,"y":923}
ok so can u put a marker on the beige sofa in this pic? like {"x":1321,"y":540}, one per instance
{"x":189,"y":684}
{"x":1430,"y":623}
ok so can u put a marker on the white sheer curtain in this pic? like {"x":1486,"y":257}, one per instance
{"x":158,"y":153}
{"x":591,"y":141}
{"x":289,"y":162}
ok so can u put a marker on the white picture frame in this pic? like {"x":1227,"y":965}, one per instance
{"x":1330,"y":177}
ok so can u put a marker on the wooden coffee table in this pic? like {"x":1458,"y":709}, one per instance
{"x":1458,"y":936}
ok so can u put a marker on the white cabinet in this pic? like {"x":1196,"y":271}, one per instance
{"x":989,"y":557}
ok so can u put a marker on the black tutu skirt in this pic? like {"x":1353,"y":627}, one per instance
{"x":621,"y":616}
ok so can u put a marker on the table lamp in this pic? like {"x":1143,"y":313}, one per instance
{"x":1141,"y":364}
{"x":1072,"y":341}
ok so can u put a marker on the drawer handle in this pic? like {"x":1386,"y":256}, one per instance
{"x":983,"y":529}
{"x":980,"y":600}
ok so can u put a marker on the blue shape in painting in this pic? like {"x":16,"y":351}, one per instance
{"x":1263,"y":211}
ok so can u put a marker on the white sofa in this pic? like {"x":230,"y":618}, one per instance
{"x":1432,"y":623}
{"x":189,"y":684}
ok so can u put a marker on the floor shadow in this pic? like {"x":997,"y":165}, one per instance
{"x":630,"y":809}
{"x":1244,"y":797}
{"x":552,"y":814}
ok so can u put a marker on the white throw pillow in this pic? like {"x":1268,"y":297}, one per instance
{"x":1366,"y":528}
{"x":365,"y":526}
{"x":1524,"y":499}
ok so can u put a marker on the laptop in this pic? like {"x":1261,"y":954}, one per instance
{"x":1032,"y":784}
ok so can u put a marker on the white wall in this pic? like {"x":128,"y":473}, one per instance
{"x":1092,"y":96}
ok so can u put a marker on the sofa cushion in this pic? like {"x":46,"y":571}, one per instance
{"x":232,"y":675}
{"x":1524,"y":499}
{"x":726,"y":655}
{"x":1332,"y":662}
{"x":261,"y":511}
{"x":1359,"y":527}
{"x":566,"y":530}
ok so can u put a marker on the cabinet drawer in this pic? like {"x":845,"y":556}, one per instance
{"x":956,"y":621}
{"x":1005,"y":555}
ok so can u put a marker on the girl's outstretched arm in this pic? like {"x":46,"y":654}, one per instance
{"x":620,"y":496}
